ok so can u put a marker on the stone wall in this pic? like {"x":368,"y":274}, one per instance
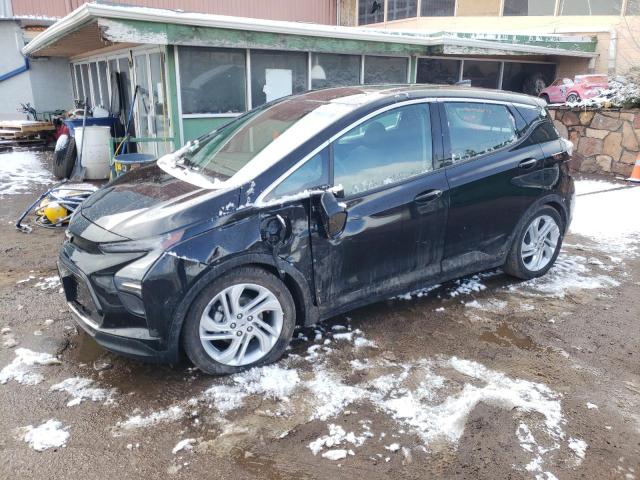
{"x":606,"y":141}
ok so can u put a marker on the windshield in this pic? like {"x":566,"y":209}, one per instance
{"x":223,"y":152}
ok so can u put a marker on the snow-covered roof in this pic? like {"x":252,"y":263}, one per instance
{"x":90,"y":11}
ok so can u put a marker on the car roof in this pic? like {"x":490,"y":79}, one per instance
{"x":364,"y":94}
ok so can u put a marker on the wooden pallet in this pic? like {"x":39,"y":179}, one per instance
{"x":25,"y":126}
{"x":13,"y":134}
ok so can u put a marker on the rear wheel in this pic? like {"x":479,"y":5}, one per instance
{"x":536,"y":246}
{"x":243,"y":319}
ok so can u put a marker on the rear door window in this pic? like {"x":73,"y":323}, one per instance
{"x":384,"y":150}
{"x":476,"y":129}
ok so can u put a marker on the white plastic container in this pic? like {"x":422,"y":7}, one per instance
{"x":95,"y":151}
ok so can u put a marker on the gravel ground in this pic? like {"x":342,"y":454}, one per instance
{"x":485,"y":377}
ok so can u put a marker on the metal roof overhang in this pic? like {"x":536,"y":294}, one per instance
{"x":94,"y":26}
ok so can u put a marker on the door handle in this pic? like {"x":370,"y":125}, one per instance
{"x":428,"y":196}
{"x":528,"y":163}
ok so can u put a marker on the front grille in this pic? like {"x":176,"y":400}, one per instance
{"x":77,"y":292}
{"x":84,"y":244}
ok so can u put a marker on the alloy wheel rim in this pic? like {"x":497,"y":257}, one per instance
{"x":540,"y":243}
{"x":241,"y":324}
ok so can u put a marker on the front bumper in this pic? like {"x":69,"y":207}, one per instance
{"x":107,"y":320}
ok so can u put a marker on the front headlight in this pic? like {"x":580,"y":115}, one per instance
{"x":161,"y":243}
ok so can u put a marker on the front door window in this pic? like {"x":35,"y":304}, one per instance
{"x":384,"y":150}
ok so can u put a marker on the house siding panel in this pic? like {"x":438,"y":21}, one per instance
{"x":317,"y":11}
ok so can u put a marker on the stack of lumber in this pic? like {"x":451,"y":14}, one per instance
{"x":23,"y":129}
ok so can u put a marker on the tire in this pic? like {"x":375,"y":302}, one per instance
{"x":207,"y":317}
{"x":573,"y":98}
{"x":534,"y":84}
{"x":64,"y":159}
{"x":524,"y":266}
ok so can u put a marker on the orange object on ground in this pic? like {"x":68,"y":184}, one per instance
{"x":635,"y":175}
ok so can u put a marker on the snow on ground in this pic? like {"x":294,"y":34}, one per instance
{"x":579,"y":447}
{"x":338,"y":436}
{"x":48,"y":283}
{"x":171,"y":414}
{"x":466,"y":286}
{"x":19,"y":370}
{"x":607,"y":217}
{"x":272,"y":381}
{"x":570,"y":272}
{"x":329,"y":394}
{"x":186,"y":444}
{"x":51,"y":434}
{"x":19,"y":171}
{"x":81,"y":389}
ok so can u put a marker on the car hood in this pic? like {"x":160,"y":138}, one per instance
{"x":148,"y":202}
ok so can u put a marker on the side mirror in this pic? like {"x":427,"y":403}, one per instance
{"x":334,"y":214}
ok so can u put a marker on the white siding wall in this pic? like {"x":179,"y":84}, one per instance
{"x":16,"y":90}
{"x":46,"y":85}
{"x":51,"y":84}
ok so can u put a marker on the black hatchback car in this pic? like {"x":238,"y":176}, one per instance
{"x":311,"y":206}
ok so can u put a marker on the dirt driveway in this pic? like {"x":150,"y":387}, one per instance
{"x":485,"y":377}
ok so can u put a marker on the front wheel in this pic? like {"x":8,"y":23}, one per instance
{"x":573,"y":98}
{"x":536,"y":246}
{"x":243,"y":319}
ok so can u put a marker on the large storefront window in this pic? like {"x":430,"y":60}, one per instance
{"x":212,"y":80}
{"x":529,"y":7}
{"x":438,"y":8}
{"x":382,"y":70}
{"x":633,"y":7}
{"x":334,"y":70}
{"x":438,"y":71}
{"x":399,"y":9}
{"x":370,"y":11}
{"x":277,"y":74}
{"x":482,"y":73}
{"x":590,"y":7}
{"x":529,"y":78}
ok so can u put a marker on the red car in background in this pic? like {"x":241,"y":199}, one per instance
{"x":570,"y":91}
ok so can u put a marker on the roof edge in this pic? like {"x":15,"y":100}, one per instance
{"x":89,"y":11}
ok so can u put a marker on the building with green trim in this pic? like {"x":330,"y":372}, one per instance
{"x":194,"y":72}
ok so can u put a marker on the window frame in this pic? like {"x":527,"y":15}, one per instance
{"x":554,"y":13}
{"x":455,"y":11}
{"x":436,"y":148}
{"x":247,"y":78}
{"x":447,"y":161}
{"x":503,"y":63}
{"x":363,"y":66}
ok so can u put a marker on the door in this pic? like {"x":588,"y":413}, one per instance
{"x":152,"y":112}
{"x":143,"y":102}
{"x":396,"y":209}
{"x":493,"y":178}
